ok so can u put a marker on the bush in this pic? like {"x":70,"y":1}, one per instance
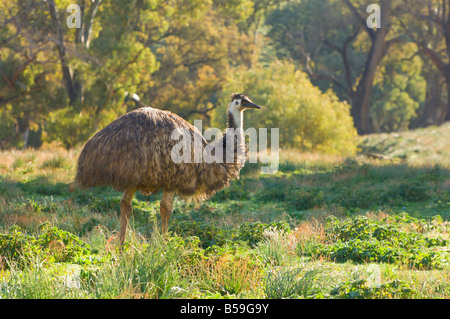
{"x":362,"y":240}
{"x":208,"y":234}
{"x":308,"y":119}
{"x":63,"y":246}
{"x":360,"y":289}
{"x":253,"y":233}
{"x":17,"y":247}
{"x":53,"y":244}
{"x":412,"y":192}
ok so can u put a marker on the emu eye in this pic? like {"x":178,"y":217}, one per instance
{"x":236,"y":102}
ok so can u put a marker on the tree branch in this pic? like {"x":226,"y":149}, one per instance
{"x":355,"y":12}
{"x":437,"y":60}
{"x":37,"y":80}
{"x":90,"y":22}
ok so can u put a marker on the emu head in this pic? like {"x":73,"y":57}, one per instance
{"x":240,"y":102}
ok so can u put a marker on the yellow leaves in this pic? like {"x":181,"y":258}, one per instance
{"x":307,"y":118}
{"x":206,"y":73}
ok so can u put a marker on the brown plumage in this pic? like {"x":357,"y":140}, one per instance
{"x":134,"y":153}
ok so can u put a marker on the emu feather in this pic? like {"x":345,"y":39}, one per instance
{"x":133,"y":153}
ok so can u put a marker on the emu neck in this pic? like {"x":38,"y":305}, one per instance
{"x":233,"y":141}
{"x":235,"y":119}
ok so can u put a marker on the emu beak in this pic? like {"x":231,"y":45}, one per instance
{"x":250,"y":105}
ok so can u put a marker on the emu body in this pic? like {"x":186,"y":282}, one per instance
{"x":133,"y":153}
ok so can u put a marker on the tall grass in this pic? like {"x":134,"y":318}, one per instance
{"x":218,"y":261}
{"x":292,"y":283}
{"x":228,"y":275}
{"x":146,"y":270}
{"x":36,"y":281}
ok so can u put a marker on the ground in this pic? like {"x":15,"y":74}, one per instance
{"x":373,"y":225}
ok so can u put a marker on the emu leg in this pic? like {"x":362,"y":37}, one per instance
{"x":166,"y":209}
{"x":125,"y":213}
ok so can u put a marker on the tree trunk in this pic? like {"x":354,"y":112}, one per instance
{"x":361,"y":98}
{"x":445,"y":114}
{"x":72,"y":87}
{"x":433,"y":104}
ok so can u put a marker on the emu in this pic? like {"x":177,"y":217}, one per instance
{"x":134,"y":153}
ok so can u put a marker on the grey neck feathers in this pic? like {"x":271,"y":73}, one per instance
{"x":234,"y":119}
{"x":235,"y":132}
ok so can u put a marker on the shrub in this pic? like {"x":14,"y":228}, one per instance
{"x":408,"y":191}
{"x":53,"y":244}
{"x":17,"y":247}
{"x":360,"y":289}
{"x":296,"y":106}
{"x":362,"y":240}
{"x":208,"y":234}
{"x":63,"y":246}
{"x":291,"y":283}
{"x":253,"y":233}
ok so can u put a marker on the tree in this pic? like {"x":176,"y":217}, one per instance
{"x":427,"y":23}
{"x":175,"y":54}
{"x":399,"y":90}
{"x":319,"y":33}
{"x":26,"y":68}
{"x":106,"y":57}
{"x":194,"y":62}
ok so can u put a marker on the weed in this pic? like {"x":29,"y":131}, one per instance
{"x":143,"y":271}
{"x":55,"y":162}
{"x":292,"y":283}
{"x":253,"y":233}
{"x":53,"y":244}
{"x":362,"y":240}
{"x":360,"y":289}
{"x":228,"y":274}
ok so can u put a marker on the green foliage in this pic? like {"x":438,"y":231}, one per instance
{"x":398,"y":91}
{"x":360,"y":289}
{"x":361,"y":240}
{"x":69,"y":126}
{"x":208,"y":234}
{"x":38,"y":282}
{"x":53,"y":244}
{"x":41,"y":186}
{"x":253,"y":233}
{"x":291,"y":103}
{"x":292,"y":283}
{"x":414,"y":192}
{"x":174,"y":54}
{"x":142,"y":272}
{"x":63,"y":246}
{"x":188,"y":56}
{"x":17,"y":247}
{"x":218,"y":249}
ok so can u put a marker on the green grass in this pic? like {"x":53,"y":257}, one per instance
{"x":321,"y":227}
{"x":426,"y":146}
